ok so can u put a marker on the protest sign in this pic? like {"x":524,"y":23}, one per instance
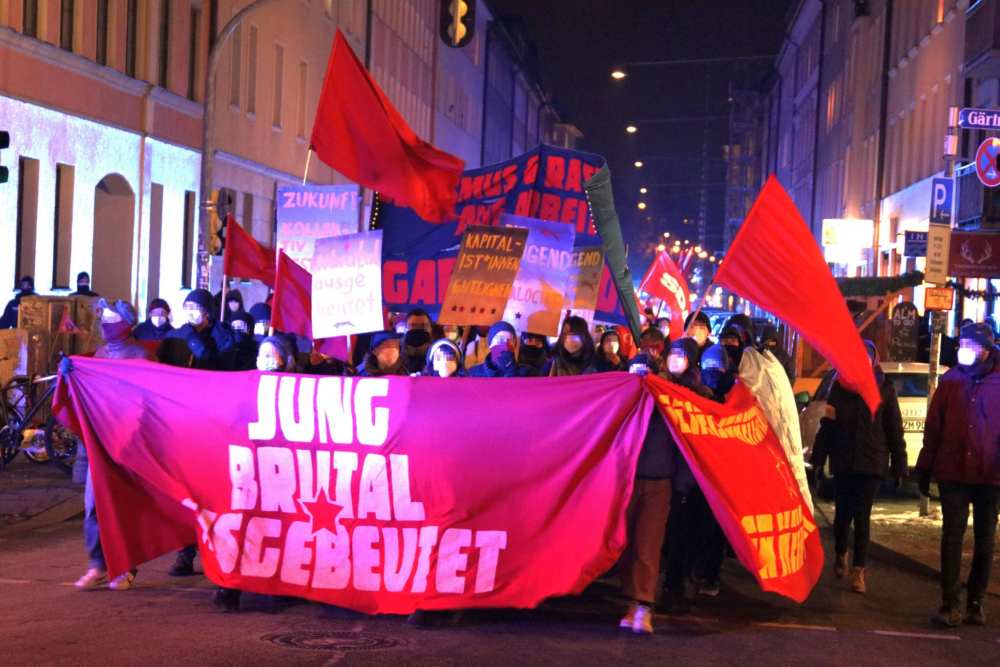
{"x":309,"y":212}
{"x":536,"y":300}
{"x":583,"y":288}
{"x":484,"y":274}
{"x":347,"y":285}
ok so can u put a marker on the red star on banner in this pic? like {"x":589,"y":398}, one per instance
{"x":322,"y":513}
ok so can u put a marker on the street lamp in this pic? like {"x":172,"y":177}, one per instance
{"x":697,"y":249}
{"x":631,"y":129}
{"x":638,"y":164}
{"x":643,"y":190}
{"x":618,"y":74}
{"x":661,"y":248}
{"x":641,"y":205}
{"x":666,"y":235}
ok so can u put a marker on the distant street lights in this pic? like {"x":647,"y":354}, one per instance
{"x":643,"y":190}
{"x":620,"y":73}
{"x":641,"y":205}
{"x":631,"y":129}
{"x":637,"y":164}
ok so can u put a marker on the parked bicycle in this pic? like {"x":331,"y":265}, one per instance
{"x":27,"y":424}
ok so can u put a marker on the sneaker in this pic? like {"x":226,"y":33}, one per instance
{"x":840,"y":566}
{"x":91,"y":579}
{"x":709,"y":589}
{"x":642,"y":621}
{"x":628,"y":620}
{"x":122,"y":582}
{"x":948,"y":617}
{"x":858,"y":580}
{"x":974,"y":614}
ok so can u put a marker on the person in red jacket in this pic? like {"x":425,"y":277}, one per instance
{"x":962,"y":452}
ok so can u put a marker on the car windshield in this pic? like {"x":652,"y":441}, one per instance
{"x":909,"y":385}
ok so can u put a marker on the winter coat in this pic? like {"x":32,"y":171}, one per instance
{"x":490,"y":369}
{"x":370,"y":367}
{"x":604,"y":365}
{"x":9,"y":318}
{"x":147,"y":331}
{"x":129,"y":348}
{"x":202,"y":351}
{"x":854,"y":442}
{"x":962,"y":432}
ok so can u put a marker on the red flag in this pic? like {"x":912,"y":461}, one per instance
{"x":66,"y":323}
{"x":244,"y":257}
{"x":360,"y":134}
{"x":775,"y":262}
{"x":665,"y":280}
{"x":291,"y":307}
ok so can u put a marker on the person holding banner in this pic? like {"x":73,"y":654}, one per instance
{"x":444,"y":359}
{"x":533,"y":351}
{"x":860,"y":448}
{"x":698,"y":326}
{"x":383,"y":356}
{"x":194,"y":344}
{"x":501,"y":360}
{"x":609,"y":356}
{"x":574,"y":350}
{"x":157,"y":324}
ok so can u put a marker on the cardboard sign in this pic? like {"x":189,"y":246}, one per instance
{"x":347,"y":285}
{"x":309,"y":212}
{"x":939,"y":298}
{"x":536,"y":300}
{"x":484,"y":274}
{"x":938,"y":241}
{"x":903,"y":340}
{"x":584,"y":284}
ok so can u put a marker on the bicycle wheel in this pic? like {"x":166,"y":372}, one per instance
{"x":10,"y":443}
{"x":61,"y":444}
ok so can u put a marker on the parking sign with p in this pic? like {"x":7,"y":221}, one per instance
{"x":942,"y":190}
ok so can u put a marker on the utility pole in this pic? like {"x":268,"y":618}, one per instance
{"x":208,"y":137}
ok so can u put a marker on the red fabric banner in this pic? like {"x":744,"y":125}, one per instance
{"x":378,"y":494}
{"x":244,"y":257}
{"x":744,"y":473}
{"x":666,"y":281}
{"x":359,"y":133}
{"x":774,"y":261}
{"x":291,"y":307}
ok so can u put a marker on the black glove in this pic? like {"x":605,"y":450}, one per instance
{"x":196,"y":346}
{"x":924,"y":482}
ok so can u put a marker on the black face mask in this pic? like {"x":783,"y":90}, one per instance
{"x":416,"y":338}
{"x":532,"y":356}
{"x":735,"y":353}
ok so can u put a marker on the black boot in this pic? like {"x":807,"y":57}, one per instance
{"x":184,"y":563}
{"x":227,"y":598}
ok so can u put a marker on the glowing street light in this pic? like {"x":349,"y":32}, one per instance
{"x":676,"y":249}
{"x":712,"y":259}
{"x":702,"y":255}
{"x":666,"y":235}
{"x":643,"y":190}
{"x":661,"y":248}
{"x":641,"y":205}
{"x":618,"y":74}
{"x":697,"y":249}
{"x":637,"y":164}
{"x":631,"y":129}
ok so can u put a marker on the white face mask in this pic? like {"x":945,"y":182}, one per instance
{"x":195,"y":317}
{"x":158,"y":321}
{"x":614,"y":346}
{"x":269,"y":364}
{"x":677,"y":364}
{"x":445,"y":367}
{"x":451,"y":335}
{"x":665,"y":331}
{"x":260,"y":328}
{"x":239,"y":325}
{"x":967,"y":356}
{"x":573,"y":343}
{"x":700,"y":335}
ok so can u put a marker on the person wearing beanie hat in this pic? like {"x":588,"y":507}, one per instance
{"x":444,"y":359}
{"x":533,"y":351}
{"x":384,"y":356}
{"x":609,"y":356}
{"x":717,"y":371}
{"x":83,"y":285}
{"x":770,"y":341}
{"x":502,"y":358}
{"x":861,"y":448}
{"x":261,"y":315}
{"x":157,"y":324}
{"x":194,"y":344}
{"x":698,"y":326}
{"x":25,"y":287}
{"x":962,"y":453}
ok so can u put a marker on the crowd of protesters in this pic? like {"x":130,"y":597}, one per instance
{"x":670,"y":525}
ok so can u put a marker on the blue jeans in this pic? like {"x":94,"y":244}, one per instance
{"x":91,"y":533}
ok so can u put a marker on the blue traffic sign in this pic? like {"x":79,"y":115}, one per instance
{"x":986,"y":162}
{"x":942,"y":196}
{"x":915,"y":244}
{"x":979,"y":119}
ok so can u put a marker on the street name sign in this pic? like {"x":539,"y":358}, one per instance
{"x":979,"y":119}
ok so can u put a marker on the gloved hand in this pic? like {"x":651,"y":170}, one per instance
{"x":65,"y":366}
{"x":196,"y":346}
{"x":924,"y":482}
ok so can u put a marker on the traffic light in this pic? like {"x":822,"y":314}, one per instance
{"x":4,"y":143}
{"x":458,"y":22}
{"x":221,"y":207}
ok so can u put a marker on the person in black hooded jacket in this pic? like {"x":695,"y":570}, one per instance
{"x":501,"y":362}
{"x":25,"y":287}
{"x":609,"y":356}
{"x":861,"y":450}
{"x":157,"y":324}
{"x":770,"y":340}
{"x":574,"y":351}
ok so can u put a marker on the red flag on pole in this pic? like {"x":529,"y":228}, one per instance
{"x":244,"y":257}
{"x":360,"y":134}
{"x":291,"y":307}
{"x":665,"y":280}
{"x":66,"y":323}
{"x":775,"y":262}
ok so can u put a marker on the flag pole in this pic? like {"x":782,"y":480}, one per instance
{"x":305,"y":174}
{"x":222,"y":308}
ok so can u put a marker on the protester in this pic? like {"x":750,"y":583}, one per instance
{"x":646,"y":516}
{"x":652,"y":343}
{"x":533,"y":351}
{"x":574,"y":351}
{"x":770,"y":341}
{"x":608,"y":356}
{"x":717,"y":372}
{"x":745,"y":326}
{"x":962,"y":453}
{"x":418,"y":318}
{"x":444,"y":359}
{"x":416,"y":342}
{"x":698,"y":326}
{"x":193,"y":344}
{"x":275,"y":355}
{"x":732,"y":339}
{"x":25,"y":287}
{"x":452,"y":332}
{"x":235,"y":312}
{"x":860,"y":448}
{"x":83,"y":285}
{"x":260,"y":313}
{"x":628,"y":346}
{"x":501,"y":361}
{"x":157,"y":324}
{"x":117,"y":320}
{"x":383,"y":356}
{"x":477,"y":348}
{"x":663,"y":324}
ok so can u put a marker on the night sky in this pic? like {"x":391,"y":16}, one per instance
{"x":580,"y":43}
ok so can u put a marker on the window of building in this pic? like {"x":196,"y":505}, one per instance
{"x":252,"y":71}
{"x":29,"y":12}
{"x":248,"y":212}
{"x":164,"y":62}
{"x":102,"y":32}
{"x":67,"y":11}
{"x":27,"y":217}
{"x":303,"y":99}
{"x":192,"y":74}
{"x":62,"y":237}
{"x":131,"y":35}
{"x":235,"y":65}
{"x":190,"y":234}
{"x":279,"y":73}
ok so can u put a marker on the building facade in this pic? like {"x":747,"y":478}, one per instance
{"x":103,"y":100}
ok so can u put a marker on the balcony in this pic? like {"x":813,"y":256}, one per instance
{"x":982,"y":40}
{"x":977,"y":207}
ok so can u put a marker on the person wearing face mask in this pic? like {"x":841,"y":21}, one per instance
{"x":698,"y":326}
{"x":117,"y":320}
{"x":717,"y":372}
{"x":83,"y":285}
{"x":444,"y":359}
{"x":260,"y":313}
{"x":193,"y":344}
{"x":157,"y":324}
{"x":574,"y":351}
{"x":274,"y":356}
{"x":452,"y":332}
{"x":652,"y":343}
{"x":501,"y":360}
{"x":663,"y":324}
{"x":861,"y":449}
{"x":609,"y":356}
{"x":235,"y":310}
{"x":533,"y":351}
{"x":732,"y":341}
{"x":962,"y":453}
{"x":770,"y":341}
{"x":477,"y":347}
{"x":25,"y":287}
{"x":383,"y":356}
{"x":416,"y":342}
{"x":744,"y":325}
